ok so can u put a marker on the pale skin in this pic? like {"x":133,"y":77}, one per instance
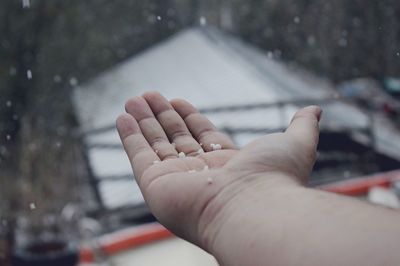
{"x":249,"y":206}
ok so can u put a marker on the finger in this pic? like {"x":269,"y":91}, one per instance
{"x":304,"y":126}
{"x":151,"y":129}
{"x":201,"y":128}
{"x":172,"y":123}
{"x":139,"y":152}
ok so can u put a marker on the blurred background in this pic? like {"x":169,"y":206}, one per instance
{"x":67,"y":195}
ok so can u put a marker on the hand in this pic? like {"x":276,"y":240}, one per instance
{"x":189,"y":194}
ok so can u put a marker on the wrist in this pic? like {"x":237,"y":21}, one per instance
{"x":238,"y":194}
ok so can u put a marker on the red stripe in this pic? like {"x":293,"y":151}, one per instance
{"x":146,"y":235}
{"x":137,"y":238}
{"x":361,"y":185}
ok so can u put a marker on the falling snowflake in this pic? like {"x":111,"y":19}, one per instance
{"x":57,"y":79}
{"x":29,"y":74}
{"x":32,"y":206}
{"x":26,"y":3}
{"x":203,"y":21}
{"x":342,"y":42}
{"x":311,"y":40}
{"x":159,"y":18}
{"x":73,"y":81}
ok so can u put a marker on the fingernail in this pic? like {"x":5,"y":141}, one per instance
{"x":316,"y":110}
{"x":319,"y":113}
{"x":125,"y":126}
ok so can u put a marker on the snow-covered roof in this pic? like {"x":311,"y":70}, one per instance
{"x":210,"y":69}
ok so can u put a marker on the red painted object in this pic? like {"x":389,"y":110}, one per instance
{"x":126,"y":239}
{"x":147,"y":234}
{"x":361,"y":185}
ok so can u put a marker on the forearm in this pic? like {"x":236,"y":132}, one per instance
{"x":246,"y":207}
{"x":299,"y":226}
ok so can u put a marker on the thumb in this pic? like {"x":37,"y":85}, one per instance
{"x":304,"y":126}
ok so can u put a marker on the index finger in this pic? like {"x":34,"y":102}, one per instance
{"x":139,"y":152}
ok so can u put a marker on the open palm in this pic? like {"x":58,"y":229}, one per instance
{"x":188,"y":171}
